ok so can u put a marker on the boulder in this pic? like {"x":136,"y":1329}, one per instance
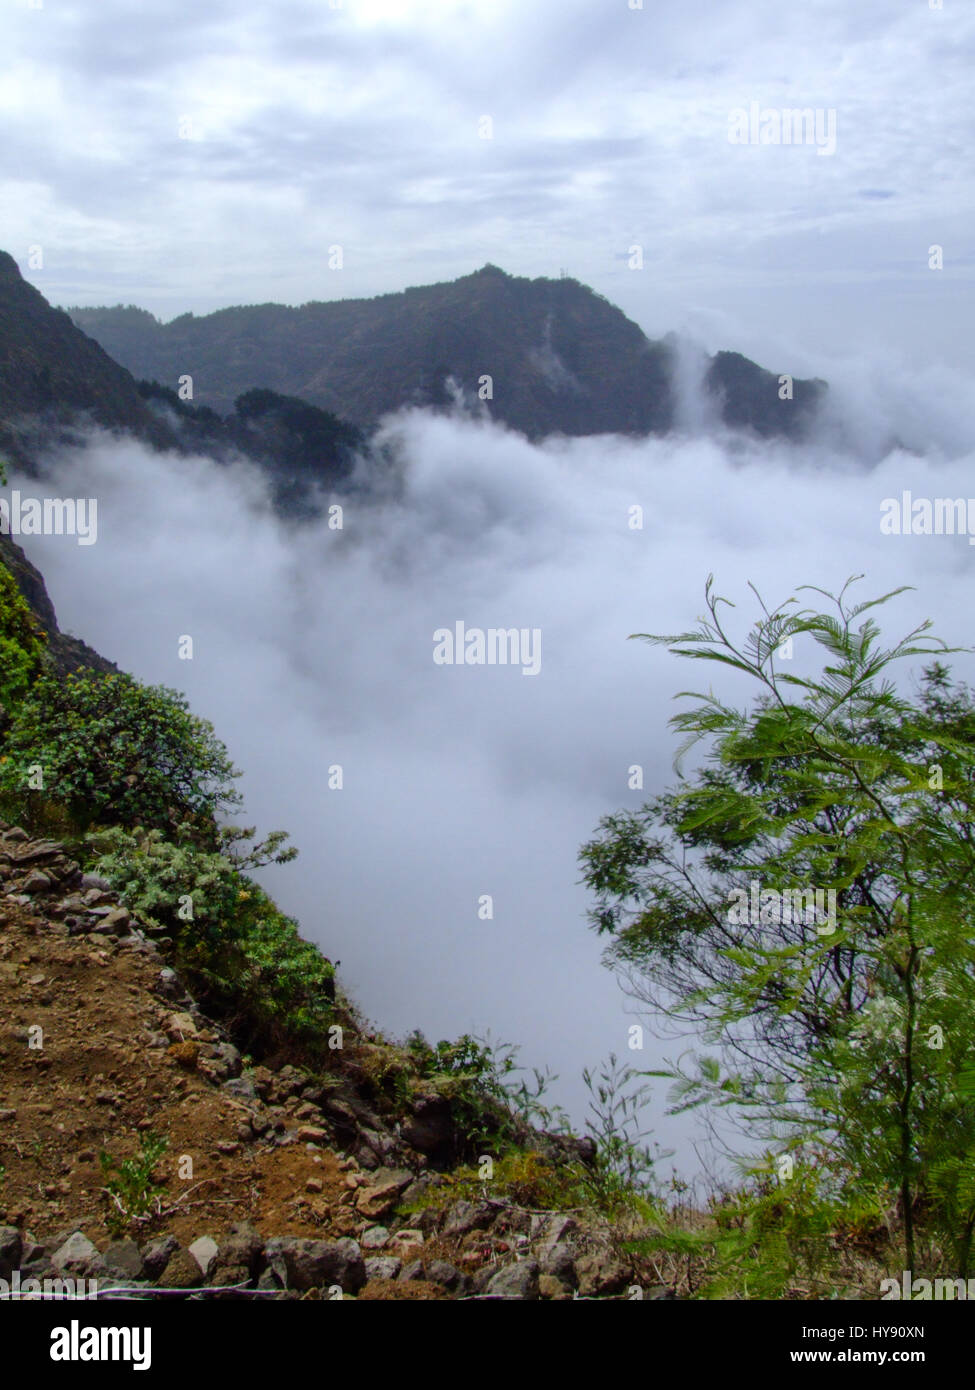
{"x":556,"y":1228}
{"x":374,"y":1238}
{"x":205,"y":1251}
{"x":310,"y":1264}
{"x":181,"y":1026}
{"x":430,"y":1128}
{"x":11,"y":1249}
{"x":242,"y":1249}
{"x":468,"y":1216}
{"x":516,"y":1280}
{"x":156,"y":1254}
{"x":381,"y":1195}
{"x":75,"y":1255}
{"x":601,"y":1273}
{"x":383,"y":1267}
{"x":448,"y":1276}
{"x":550,"y":1287}
{"x":183,"y":1271}
{"x":241,"y":1087}
{"x":122,"y":1259}
{"x":37,"y":882}
{"x":404,"y":1241}
{"x":558,"y":1260}
{"x":223,"y":1061}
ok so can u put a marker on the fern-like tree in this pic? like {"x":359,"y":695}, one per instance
{"x":848,"y":1028}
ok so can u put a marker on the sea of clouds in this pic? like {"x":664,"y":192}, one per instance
{"x":313,"y":647}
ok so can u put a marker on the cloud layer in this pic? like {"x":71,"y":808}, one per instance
{"x":315,"y":648}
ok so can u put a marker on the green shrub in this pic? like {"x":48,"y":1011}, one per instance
{"x":157,"y":878}
{"x":22,"y":642}
{"x":113,"y":750}
{"x":489,"y":1105}
{"x":130,"y":1185}
{"x":229,"y":937}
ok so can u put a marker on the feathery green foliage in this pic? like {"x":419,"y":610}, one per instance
{"x":850,"y":1028}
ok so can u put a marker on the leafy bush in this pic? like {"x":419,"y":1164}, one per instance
{"x":22,"y":642}
{"x":113,"y":750}
{"x":157,"y":878}
{"x":489,"y":1105}
{"x":229,"y":937}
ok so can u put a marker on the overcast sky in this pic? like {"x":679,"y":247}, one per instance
{"x":187,"y":157}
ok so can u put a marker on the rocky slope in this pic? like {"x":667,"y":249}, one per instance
{"x":67,"y":653}
{"x":274,"y":1182}
{"x":52,"y":375}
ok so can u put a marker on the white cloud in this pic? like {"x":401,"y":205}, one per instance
{"x":316,"y":648}
{"x":359,"y":124}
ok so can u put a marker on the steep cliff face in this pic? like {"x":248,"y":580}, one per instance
{"x":560,"y":358}
{"x":53,"y":374}
{"x":67,"y":653}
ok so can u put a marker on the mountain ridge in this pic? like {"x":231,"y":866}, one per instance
{"x":546,"y":356}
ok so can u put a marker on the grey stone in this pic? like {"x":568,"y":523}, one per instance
{"x":556,"y":1229}
{"x":465,"y":1216}
{"x":559,"y":1261}
{"x":95,"y":881}
{"x":225,"y":1060}
{"x":411,"y":1272}
{"x":242,"y":1249}
{"x":375,"y":1238}
{"x":483,"y":1276}
{"x":447,"y":1276}
{"x":517,"y":1280}
{"x":382,"y":1194}
{"x":430,"y":1128}
{"x":204,"y":1251}
{"x":167,"y":983}
{"x":183,"y":1271}
{"x":75,"y":1255}
{"x":156,"y":1254}
{"x":308,"y":1264}
{"x":11,"y":1250}
{"x":122,"y":1257}
{"x":241,"y":1087}
{"x":601,"y":1273}
{"x":37,"y":882}
{"x":383,"y":1267}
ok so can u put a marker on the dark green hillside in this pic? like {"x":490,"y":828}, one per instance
{"x":561,"y":358}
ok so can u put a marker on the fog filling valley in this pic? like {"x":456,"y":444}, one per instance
{"x":313,"y":647}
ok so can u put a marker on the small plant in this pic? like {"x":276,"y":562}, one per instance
{"x":479,"y":1076}
{"x":132,"y":1191}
